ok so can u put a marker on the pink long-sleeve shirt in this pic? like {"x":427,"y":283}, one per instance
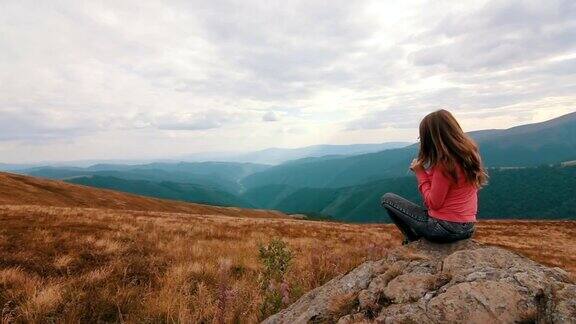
{"x":446,"y":199}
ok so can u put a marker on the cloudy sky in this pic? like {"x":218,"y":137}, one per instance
{"x":159,"y":79}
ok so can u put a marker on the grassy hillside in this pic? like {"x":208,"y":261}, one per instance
{"x":166,"y":189}
{"x":89,"y":265}
{"x":24,"y":190}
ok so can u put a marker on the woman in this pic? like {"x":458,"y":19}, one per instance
{"x":449,"y":172}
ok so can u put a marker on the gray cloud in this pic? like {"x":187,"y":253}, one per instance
{"x":405,"y":111}
{"x":502,"y":34}
{"x":203,"y":120}
{"x":291,"y":51}
{"x":38,"y":126}
{"x":497,"y":60}
{"x":270,"y":116}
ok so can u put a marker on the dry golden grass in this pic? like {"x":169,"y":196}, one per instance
{"x":70,"y":264}
{"x":79,"y":264}
{"x":549,"y":242}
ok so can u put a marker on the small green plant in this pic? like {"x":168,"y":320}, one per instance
{"x":276,"y":259}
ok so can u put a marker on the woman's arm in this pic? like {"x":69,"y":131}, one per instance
{"x":434,"y":188}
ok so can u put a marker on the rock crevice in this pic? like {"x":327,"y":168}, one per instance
{"x":462,"y":282}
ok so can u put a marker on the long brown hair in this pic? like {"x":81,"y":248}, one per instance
{"x":442,"y":142}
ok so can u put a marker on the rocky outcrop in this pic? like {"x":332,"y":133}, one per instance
{"x":423,"y":282}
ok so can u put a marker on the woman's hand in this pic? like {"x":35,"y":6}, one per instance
{"x":416,"y":165}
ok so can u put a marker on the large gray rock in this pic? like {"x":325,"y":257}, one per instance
{"x":423,"y":282}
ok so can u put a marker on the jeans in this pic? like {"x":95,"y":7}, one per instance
{"x":415,"y":223}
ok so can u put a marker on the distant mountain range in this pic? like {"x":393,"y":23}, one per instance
{"x":216,"y":183}
{"x":223,"y":176}
{"x":529,"y":145}
{"x":280,"y":155}
{"x":270,"y":156}
{"x":333,"y":181}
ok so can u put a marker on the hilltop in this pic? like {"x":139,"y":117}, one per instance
{"x":25,"y":190}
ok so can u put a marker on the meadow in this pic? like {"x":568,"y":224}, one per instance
{"x":62,"y":264}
